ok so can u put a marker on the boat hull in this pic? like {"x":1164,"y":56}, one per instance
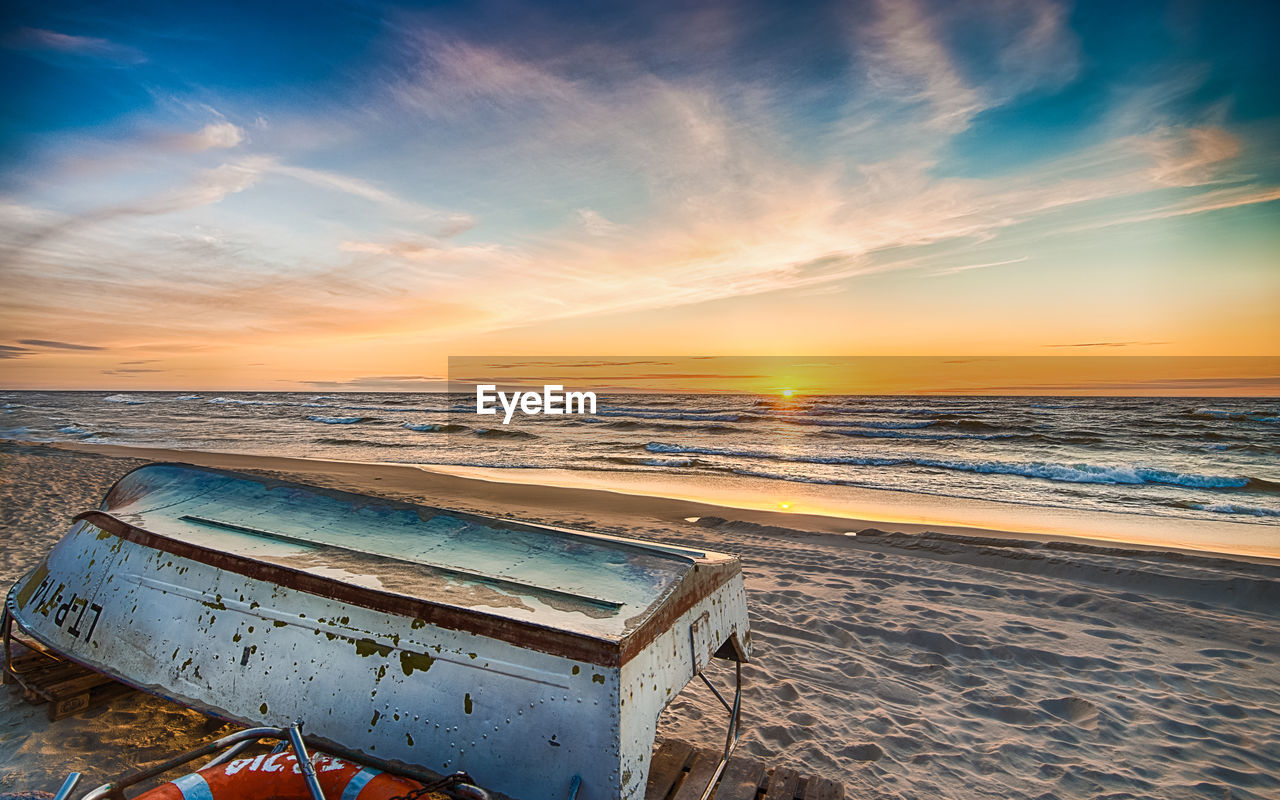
{"x":413,"y":692}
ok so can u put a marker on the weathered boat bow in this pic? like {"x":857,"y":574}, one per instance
{"x":409,"y":637}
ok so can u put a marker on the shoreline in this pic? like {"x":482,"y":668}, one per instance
{"x":809,"y":508}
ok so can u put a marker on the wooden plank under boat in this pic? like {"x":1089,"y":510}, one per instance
{"x":680,"y":772}
{"x":412,"y":638}
{"x":64,"y":687}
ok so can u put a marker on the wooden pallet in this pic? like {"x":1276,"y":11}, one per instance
{"x":680,"y":771}
{"x":67,"y":687}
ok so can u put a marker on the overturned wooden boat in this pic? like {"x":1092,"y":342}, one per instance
{"x":415,"y":639}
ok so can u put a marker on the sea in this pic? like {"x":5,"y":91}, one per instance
{"x":1210,"y":458}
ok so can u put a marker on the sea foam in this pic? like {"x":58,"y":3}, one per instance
{"x":1066,"y":473}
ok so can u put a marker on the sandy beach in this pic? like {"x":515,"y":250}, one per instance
{"x":961,"y":663}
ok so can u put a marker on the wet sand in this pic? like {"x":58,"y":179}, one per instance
{"x":968,"y":663}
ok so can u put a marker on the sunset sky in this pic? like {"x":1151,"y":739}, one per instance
{"x":283,"y":196}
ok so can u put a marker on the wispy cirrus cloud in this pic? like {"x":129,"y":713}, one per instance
{"x":401,"y":383}
{"x":39,"y":39}
{"x":967,"y":267}
{"x":907,"y":59}
{"x":1256,"y":385}
{"x":55,"y":345}
{"x":594,"y":223}
{"x":221,"y":135}
{"x":1108,"y":344}
{"x":211,"y":186}
{"x":444,"y":223}
{"x":11,"y":351}
{"x":203,"y":188}
{"x":918,"y":82}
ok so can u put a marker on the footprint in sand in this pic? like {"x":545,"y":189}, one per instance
{"x":778,"y":736}
{"x":863,"y":752}
{"x":1226,"y":655}
{"x":802,"y":719}
{"x":1019,"y":629}
{"x":1196,"y":667}
{"x":1005,"y":708}
{"x":1104,"y":634}
{"x":1229,"y":710}
{"x":1075,"y":710}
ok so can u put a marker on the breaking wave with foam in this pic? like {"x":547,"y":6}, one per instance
{"x":1069,"y":473}
{"x":340,"y":420}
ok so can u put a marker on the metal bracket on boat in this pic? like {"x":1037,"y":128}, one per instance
{"x":735,"y":716}
{"x":6,"y":635}
{"x":574,"y":786}
{"x":468,"y":791}
{"x":238,"y":741}
{"x":68,"y":786}
{"x":304,"y":761}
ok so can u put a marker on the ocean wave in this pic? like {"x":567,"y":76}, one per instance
{"x":83,"y":434}
{"x":235,"y":401}
{"x":676,"y":415}
{"x":340,"y":420}
{"x":668,"y":462}
{"x":668,"y":410}
{"x":916,"y":435}
{"x":868,"y":423}
{"x":434,"y":427}
{"x":384,"y":408}
{"x":961,"y":423}
{"x":664,"y":427}
{"x":1228,"y":508}
{"x":180,"y":398}
{"x":504,"y":433}
{"x":1244,"y":416}
{"x":948,"y":411}
{"x":123,"y":398}
{"x":640,"y":461}
{"x":779,"y":476}
{"x":338,"y":442}
{"x":1231,"y":447}
{"x":1066,"y":473}
{"x":662,"y":447}
{"x":1064,"y":437}
{"x":855,"y":411}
